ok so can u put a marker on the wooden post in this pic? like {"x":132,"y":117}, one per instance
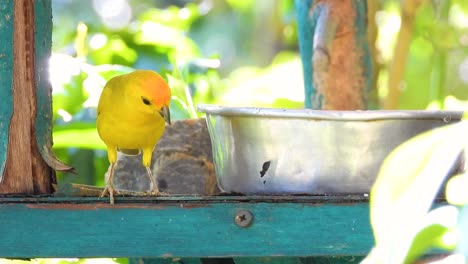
{"x":25,"y":169}
{"x":335,"y":54}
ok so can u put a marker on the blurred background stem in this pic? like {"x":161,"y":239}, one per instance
{"x":397,"y":68}
{"x":372,"y":8}
{"x":438,"y":74}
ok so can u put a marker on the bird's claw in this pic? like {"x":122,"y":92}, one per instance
{"x":109,"y":190}
{"x":156,"y":192}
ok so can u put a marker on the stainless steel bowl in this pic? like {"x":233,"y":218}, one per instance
{"x":278,"y":151}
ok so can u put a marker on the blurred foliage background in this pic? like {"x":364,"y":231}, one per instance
{"x":234,"y":52}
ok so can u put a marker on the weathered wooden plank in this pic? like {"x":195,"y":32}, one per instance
{"x":18,"y":169}
{"x":306,"y":199}
{"x":25,"y":170}
{"x":182,"y":229}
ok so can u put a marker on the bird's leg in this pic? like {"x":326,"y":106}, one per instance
{"x":153,"y":185}
{"x":146,"y":160}
{"x":109,"y":185}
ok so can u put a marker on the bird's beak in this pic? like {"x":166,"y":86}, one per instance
{"x":166,"y":114}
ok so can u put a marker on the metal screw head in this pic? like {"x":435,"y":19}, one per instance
{"x":243,"y":218}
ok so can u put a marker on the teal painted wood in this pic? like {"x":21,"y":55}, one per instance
{"x":6,"y":78}
{"x":362,"y":43}
{"x":306,"y":29}
{"x":48,"y":227}
{"x":43,"y":43}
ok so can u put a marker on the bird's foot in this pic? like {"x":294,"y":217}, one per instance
{"x":109,"y":190}
{"x":156,"y":192}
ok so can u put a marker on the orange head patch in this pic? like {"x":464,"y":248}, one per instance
{"x":153,"y":87}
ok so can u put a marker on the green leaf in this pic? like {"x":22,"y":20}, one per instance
{"x":181,"y":92}
{"x":115,"y":51}
{"x":173,"y":16}
{"x":77,"y":135}
{"x":438,"y":231}
{"x":241,"y":5}
{"x":286,"y":103}
{"x":71,"y":96}
{"x":121,"y":260}
{"x":463,"y":4}
{"x":406,"y":186}
{"x":108,"y":71}
{"x":179,"y":109}
{"x":263,"y":87}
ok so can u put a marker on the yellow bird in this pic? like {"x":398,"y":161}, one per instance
{"x":131,"y":117}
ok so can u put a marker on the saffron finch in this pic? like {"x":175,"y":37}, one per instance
{"x":131,"y":117}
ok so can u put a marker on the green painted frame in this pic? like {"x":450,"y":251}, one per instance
{"x":6,"y":78}
{"x":184,"y":227}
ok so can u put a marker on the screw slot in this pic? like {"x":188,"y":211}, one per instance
{"x":243,"y":218}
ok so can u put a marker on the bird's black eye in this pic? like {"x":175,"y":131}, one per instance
{"x":145,"y":101}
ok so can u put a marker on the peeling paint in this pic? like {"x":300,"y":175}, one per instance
{"x":193,"y":205}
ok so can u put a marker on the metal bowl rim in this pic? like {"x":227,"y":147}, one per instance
{"x":359,"y":115}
